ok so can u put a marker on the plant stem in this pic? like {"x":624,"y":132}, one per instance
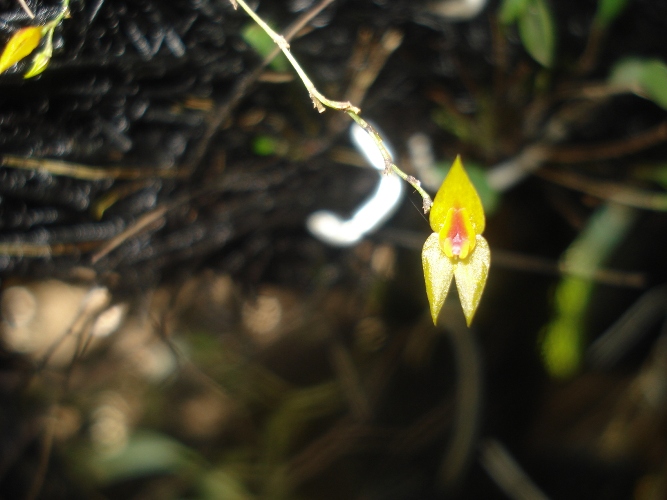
{"x":320,"y":101}
{"x":389,"y":164}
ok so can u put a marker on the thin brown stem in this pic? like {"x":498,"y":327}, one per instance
{"x":26,"y":9}
{"x":84,"y":172}
{"x":150,"y":219}
{"x":609,"y":150}
{"x":321,"y":102}
{"x":389,"y":164}
{"x":610,"y":191}
{"x":221,"y":112}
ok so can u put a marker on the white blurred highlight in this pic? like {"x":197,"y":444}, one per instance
{"x":336,"y":231}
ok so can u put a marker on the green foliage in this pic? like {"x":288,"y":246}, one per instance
{"x":608,"y":11}
{"x":146,"y":453}
{"x":538,"y":32}
{"x":259,"y":40}
{"x":563,"y":341}
{"x":264,"y":145}
{"x":221,"y":483}
{"x":536,"y":27}
{"x":646,"y":77}
{"x":511,"y":10}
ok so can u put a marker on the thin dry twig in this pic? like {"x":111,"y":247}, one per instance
{"x":45,"y":250}
{"x":86,"y":172}
{"x":533,"y":264}
{"x":609,"y":150}
{"x":606,"y":190}
{"x":26,"y":8}
{"x":148,"y":219}
{"x":44,"y":456}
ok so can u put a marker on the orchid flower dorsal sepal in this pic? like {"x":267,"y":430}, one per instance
{"x":456,"y":249}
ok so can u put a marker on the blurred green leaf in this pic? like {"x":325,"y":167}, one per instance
{"x":257,"y":38}
{"x":456,"y":125}
{"x":511,"y":10}
{"x":146,"y":453}
{"x":538,"y":32}
{"x":608,"y":11}
{"x":646,"y":77}
{"x":222,"y":484}
{"x":562,"y":343}
{"x":264,"y":145}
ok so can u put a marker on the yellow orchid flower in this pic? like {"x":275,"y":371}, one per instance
{"x":26,"y":40}
{"x":456,"y":250}
{"x":20,"y":46}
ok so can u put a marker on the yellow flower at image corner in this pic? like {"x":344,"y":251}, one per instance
{"x":20,"y":46}
{"x":456,"y":250}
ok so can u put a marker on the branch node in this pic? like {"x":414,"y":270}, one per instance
{"x":281,"y":42}
{"x":413,"y":180}
{"x":317,"y":104}
{"x":427,"y":205}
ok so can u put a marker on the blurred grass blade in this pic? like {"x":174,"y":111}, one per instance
{"x":562,"y":343}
